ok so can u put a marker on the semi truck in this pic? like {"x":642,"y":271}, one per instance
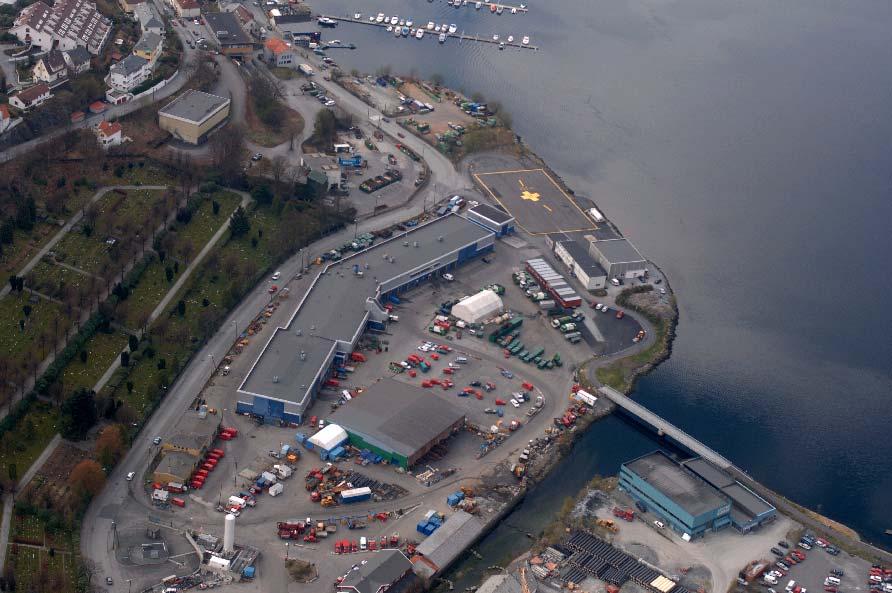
{"x":306,"y":70}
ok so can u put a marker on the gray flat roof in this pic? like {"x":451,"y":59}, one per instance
{"x":712,"y":474}
{"x":746,"y":500}
{"x":148,"y":42}
{"x":451,"y":539}
{"x":618,"y":251}
{"x":402,"y":417}
{"x":335,"y":306}
{"x":226,"y":28}
{"x":496,"y":215}
{"x":194,"y":106}
{"x":382,"y":570}
{"x":581,"y":256}
{"x":691,"y":494}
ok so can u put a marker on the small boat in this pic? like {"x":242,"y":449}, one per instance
{"x":499,"y":10}
{"x":495,"y":37}
{"x":409,"y":23}
{"x":389,"y":28}
{"x":430,"y":25}
{"x":457,"y":3}
{"x":357,"y":16}
{"x":437,"y":29}
{"x":452,"y":29}
{"x":397,"y":31}
{"x":523,"y":6}
{"x":419,"y":33}
{"x":525,"y":40}
{"x":371,"y":19}
{"x":510,"y":38}
{"x":379,"y":18}
{"x":442,"y":38}
{"x":394,"y":20}
{"x":464,"y":2}
{"x":478,"y":5}
{"x":502,"y":45}
{"x":492,"y":8}
{"x":514,"y":10}
{"x":444,"y":26}
{"x":402,"y":23}
{"x":405,"y":31}
{"x":324,"y":21}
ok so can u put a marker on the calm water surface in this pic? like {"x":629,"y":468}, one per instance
{"x":745,"y":147}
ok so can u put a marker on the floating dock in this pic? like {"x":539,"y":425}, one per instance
{"x":430,"y":33}
{"x":485,"y":7}
{"x":665,"y":428}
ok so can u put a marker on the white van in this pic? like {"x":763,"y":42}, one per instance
{"x":363,"y":543}
{"x":615,"y":281}
{"x":832,"y":581}
{"x":790,"y":585}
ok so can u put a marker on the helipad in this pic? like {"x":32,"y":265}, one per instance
{"x":536,"y":201}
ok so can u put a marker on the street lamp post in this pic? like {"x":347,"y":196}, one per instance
{"x":286,"y":550}
{"x":213,"y":360}
{"x":235,"y":326}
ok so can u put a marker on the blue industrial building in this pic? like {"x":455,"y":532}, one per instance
{"x":748,"y":510}
{"x":684,"y":502}
{"x":492,"y":218}
{"x":345,"y":299}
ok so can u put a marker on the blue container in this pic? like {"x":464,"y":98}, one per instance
{"x":300,"y":438}
{"x":421,"y":527}
{"x":248,"y":573}
{"x":394,"y":299}
{"x":453,"y":499}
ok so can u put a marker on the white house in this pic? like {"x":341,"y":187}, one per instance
{"x":128,"y":73}
{"x":64,"y":26}
{"x":149,"y":19}
{"x":109,"y":134}
{"x":31,"y":97}
{"x":51,"y":67}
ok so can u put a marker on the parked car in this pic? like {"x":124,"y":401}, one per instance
{"x":783,"y":544}
{"x":776,"y":552}
{"x":256,"y":157}
{"x":277,"y":275}
{"x":659,"y":524}
{"x":130,"y":476}
{"x":156,"y":441}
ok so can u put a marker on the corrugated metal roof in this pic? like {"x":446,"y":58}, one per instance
{"x":450,"y":540}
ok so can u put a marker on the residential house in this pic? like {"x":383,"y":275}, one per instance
{"x":51,"y":67}
{"x":278,"y":53}
{"x":382,"y":571}
{"x":31,"y":97}
{"x":109,"y":134}
{"x":128,"y":74}
{"x":245,"y":18}
{"x":64,"y":26}
{"x":131,"y":6}
{"x":5,"y":118}
{"x":229,"y":35}
{"x":186,"y":9}
{"x":149,"y":47}
{"x":77,"y":60}
{"x":149,"y":19}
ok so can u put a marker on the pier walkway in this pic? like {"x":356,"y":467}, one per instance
{"x":664,"y":427}
{"x":431,"y":34}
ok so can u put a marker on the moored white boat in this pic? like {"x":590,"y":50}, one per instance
{"x":430,"y":25}
{"x":419,"y":33}
{"x":495,"y":37}
{"x":409,"y":23}
{"x":357,"y":16}
{"x":525,"y":40}
{"x":478,"y":5}
{"x":510,"y":38}
{"x":452,"y":29}
{"x":442,"y":38}
{"x":379,"y":18}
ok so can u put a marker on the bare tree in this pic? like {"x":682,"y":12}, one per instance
{"x":226,"y":148}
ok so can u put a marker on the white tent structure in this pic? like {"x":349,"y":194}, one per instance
{"x":329,"y":437}
{"x":478,"y":307}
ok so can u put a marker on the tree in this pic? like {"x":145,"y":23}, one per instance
{"x":7,"y":230}
{"x":13,"y":471}
{"x":84,"y":356}
{"x":226,"y":148}
{"x":262,"y":194}
{"x":125,"y":359}
{"x":110,"y":445}
{"x":215,"y":207}
{"x":129,"y":386}
{"x":78,"y":414}
{"x":324,"y":129}
{"x":181,"y":308}
{"x":133,"y":342}
{"x":27,"y":310}
{"x":238,"y":223}
{"x":86,"y":479}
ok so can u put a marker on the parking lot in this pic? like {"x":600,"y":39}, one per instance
{"x":809,"y":575}
{"x":535,"y":200}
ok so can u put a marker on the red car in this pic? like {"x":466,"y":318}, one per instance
{"x":620,"y":314}
{"x":830,"y":589}
{"x":500,"y":402}
{"x":273,"y":289}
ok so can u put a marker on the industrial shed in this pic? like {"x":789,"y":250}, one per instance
{"x":438,"y":551}
{"x":492,"y":218}
{"x":478,"y":307}
{"x":398,"y":421}
{"x":619,"y":258}
{"x":192,"y":116}
{"x":581,"y":263}
{"x":748,"y":509}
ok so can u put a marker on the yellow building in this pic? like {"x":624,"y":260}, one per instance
{"x":192,"y":116}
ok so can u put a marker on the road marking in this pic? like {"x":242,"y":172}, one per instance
{"x":546,"y":207}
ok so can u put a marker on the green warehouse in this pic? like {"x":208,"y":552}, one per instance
{"x":398,"y":421}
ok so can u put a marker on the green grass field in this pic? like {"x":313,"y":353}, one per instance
{"x":36,"y":570}
{"x":22,"y":445}
{"x":55,"y":281}
{"x":102,"y":350}
{"x":204,"y":224}
{"x":24,"y":247}
{"x":145,"y":296}
{"x":27,"y":529}
{"x":37,"y":337}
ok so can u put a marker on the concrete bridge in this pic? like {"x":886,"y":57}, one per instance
{"x":664,"y":427}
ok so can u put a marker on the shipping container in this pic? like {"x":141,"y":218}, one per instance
{"x":276,"y":489}
{"x":178,"y":502}
{"x":356,"y":495}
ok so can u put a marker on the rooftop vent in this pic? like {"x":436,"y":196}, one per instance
{"x":303,"y":355}
{"x":440,"y":239}
{"x":298,"y":332}
{"x":275,"y":378}
{"x":415,"y":244}
{"x":405,"y":243}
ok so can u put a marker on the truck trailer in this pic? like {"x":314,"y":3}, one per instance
{"x":356,"y":495}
